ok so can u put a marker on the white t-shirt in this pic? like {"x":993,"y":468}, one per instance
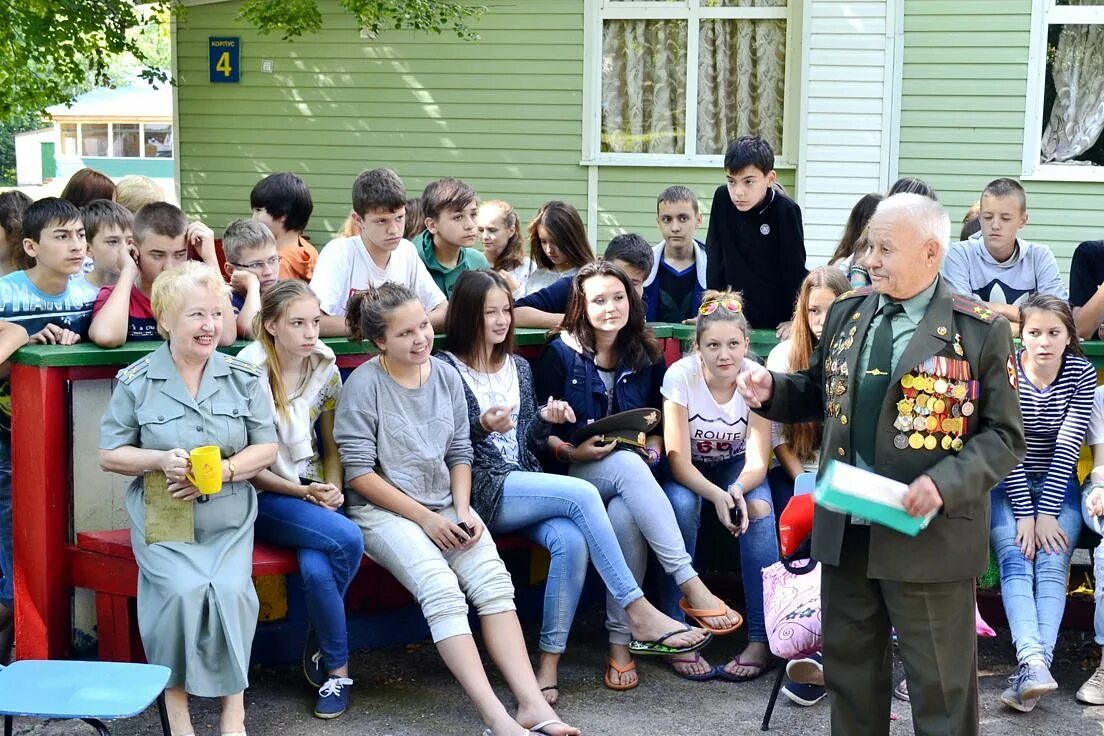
{"x":1095,"y":434}
{"x":779,"y":361}
{"x":544,"y":277}
{"x":345,"y":267}
{"x":521,"y":276}
{"x":496,"y":389}
{"x":717,"y":432}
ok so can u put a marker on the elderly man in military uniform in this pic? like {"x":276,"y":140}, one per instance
{"x":916,"y":384}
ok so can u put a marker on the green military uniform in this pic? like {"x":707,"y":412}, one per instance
{"x":197,"y":608}
{"x":468,"y":259}
{"x":950,"y":412}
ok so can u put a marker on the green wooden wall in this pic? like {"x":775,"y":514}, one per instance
{"x":963,"y":113}
{"x":503,"y":113}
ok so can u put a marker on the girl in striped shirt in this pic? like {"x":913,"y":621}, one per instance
{"x":1037,"y":509}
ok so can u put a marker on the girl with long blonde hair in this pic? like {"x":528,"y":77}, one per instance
{"x":299,"y":496}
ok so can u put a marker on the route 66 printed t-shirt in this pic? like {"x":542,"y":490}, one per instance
{"x":718,"y":432}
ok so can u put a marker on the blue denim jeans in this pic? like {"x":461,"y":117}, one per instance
{"x":1033,"y":592}
{"x":566,"y":516}
{"x":758,"y":545}
{"x":7,"y":564}
{"x":1096,"y":523}
{"x":329,"y":548}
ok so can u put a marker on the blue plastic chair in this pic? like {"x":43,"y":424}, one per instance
{"x":92,"y":692}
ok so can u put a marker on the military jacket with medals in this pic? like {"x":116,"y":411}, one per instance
{"x":951,"y":412}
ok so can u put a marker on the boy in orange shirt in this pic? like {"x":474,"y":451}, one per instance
{"x":283,"y":203}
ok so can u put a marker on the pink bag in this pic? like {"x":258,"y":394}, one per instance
{"x":791,"y":607}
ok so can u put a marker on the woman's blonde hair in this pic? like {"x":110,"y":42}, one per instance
{"x":274,"y":304}
{"x":136,"y":191}
{"x":804,"y":439}
{"x":721,"y":312}
{"x":513,"y":255}
{"x":167,"y":294}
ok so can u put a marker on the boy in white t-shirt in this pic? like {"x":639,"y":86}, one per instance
{"x":377,"y":255}
{"x":1092,"y":509}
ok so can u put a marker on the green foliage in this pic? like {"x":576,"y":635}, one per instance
{"x":51,"y":50}
{"x":7,"y":144}
{"x":293,"y":18}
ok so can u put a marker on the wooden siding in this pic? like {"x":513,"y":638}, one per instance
{"x":504,"y":113}
{"x":846,"y":125}
{"x":963,"y":112}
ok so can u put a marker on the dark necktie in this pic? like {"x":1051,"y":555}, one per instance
{"x":873,"y":386}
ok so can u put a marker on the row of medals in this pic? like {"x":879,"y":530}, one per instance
{"x":932,"y":404}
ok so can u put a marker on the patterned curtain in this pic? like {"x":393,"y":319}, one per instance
{"x":644,"y":86}
{"x":741,"y":82}
{"x":1077,"y":118}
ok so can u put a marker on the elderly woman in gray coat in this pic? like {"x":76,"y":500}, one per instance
{"x":197,"y":608}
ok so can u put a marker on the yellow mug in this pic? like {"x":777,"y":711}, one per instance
{"x":206,"y":472}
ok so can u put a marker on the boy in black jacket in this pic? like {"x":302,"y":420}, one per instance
{"x":755,"y":244}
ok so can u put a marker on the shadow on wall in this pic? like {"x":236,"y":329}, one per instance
{"x":465,"y":109}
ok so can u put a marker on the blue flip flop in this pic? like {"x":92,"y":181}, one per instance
{"x":712,"y":673}
{"x":724,"y":675}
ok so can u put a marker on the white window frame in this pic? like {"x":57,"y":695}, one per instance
{"x":598,"y":11}
{"x":1045,"y":13}
{"x":111,"y":137}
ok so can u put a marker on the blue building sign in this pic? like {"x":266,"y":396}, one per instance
{"x":224,"y":58}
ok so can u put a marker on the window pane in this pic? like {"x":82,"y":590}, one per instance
{"x":743,"y":3}
{"x":158,"y":140}
{"x":68,"y":140}
{"x":93,"y":139}
{"x":127,"y":140}
{"x":644,"y":86}
{"x":1073,"y":99}
{"x":741,"y":82}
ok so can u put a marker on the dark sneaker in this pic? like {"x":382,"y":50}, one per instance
{"x":900,"y":691}
{"x":312,"y":660}
{"x":333,"y":697}
{"x":807,"y":670}
{"x":802,"y":694}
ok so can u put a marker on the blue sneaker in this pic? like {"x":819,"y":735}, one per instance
{"x":312,"y":660}
{"x":805,"y":695}
{"x":333,"y":697}
{"x":807,"y":670}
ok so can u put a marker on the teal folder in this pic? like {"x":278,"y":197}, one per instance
{"x":849,"y":490}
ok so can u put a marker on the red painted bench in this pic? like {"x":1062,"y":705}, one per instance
{"x":103,"y":562}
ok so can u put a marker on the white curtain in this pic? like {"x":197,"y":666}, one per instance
{"x":741,"y":80}
{"x":644,"y":86}
{"x":1077,"y":118}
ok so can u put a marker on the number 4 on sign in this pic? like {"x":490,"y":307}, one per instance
{"x":223,"y":64}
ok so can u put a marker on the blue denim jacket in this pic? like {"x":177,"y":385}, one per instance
{"x":566,"y":373}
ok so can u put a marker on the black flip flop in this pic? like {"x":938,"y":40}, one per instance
{"x":659,"y":648}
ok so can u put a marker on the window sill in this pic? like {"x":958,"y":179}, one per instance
{"x":1065,"y":172}
{"x":669,"y":160}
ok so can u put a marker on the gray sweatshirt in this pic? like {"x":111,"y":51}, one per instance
{"x":412,"y":437}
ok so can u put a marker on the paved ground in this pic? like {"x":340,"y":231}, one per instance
{"x":407,"y":692}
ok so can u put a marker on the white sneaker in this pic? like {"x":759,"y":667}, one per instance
{"x":1092,"y":692}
